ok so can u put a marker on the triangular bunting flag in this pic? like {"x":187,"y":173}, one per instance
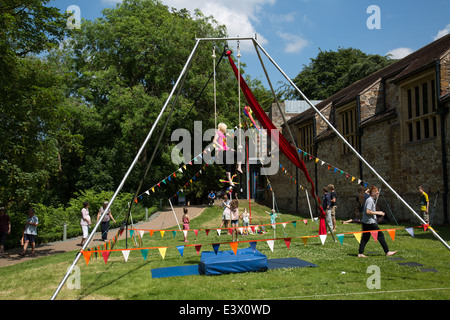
{"x":131,"y":233}
{"x":151,"y":233}
{"x":234,"y":246}
{"x":305,"y":240}
{"x":322,"y":237}
{"x":358,"y":236}
{"x":180,"y":250}
{"x":305,"y":221}
{"x":216,"y":247}
{"x":207,"y":231}
{"x":126,"y":254}
{"x":185,"y":232}
{"x":87,"y":256}
{"x":341,"y":238}
{"x":287,"y":241}
{"x":294,"y":223}
{"x":162,"y":233}
{"x":141,"y":232}
{"x":425,"y":227}
{"x":174,"y":233}
{"x":284,"y":224}
{"x":270,"y":244}
{"x":392,"y":234}
{"x":197,"y":248}
{"x":253,"y":245}
{"x":196,"y":232}
{"x":162,"y":252}
{"x":374,"y":235}
{"x":144,"y":253}
{"x":105,"y":255}
{"x":410,"y":231}
{"x":219,"y":231}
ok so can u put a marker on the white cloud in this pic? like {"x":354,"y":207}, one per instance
{"x":399,"y":53}
{"x":294,"y":42}
{"x":240,"y":17}
{"x":442,"y":32}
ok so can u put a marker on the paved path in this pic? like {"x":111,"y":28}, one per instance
{"x":159,"y":220}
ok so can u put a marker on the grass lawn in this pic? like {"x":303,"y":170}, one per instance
{"x":340,"y":275}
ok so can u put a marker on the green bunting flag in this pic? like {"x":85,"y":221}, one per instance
{"x":144,"y":253}
{"x":341,"y":238}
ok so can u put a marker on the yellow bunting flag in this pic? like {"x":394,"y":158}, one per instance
{"x":162,"y":233}
{"x":358,"y":236}
{"x":162,"y":252}
{"x":305,"y":240}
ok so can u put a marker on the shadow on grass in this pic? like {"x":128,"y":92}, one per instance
{"x":92,"y":288}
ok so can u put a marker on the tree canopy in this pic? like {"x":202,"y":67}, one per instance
{"x":332,"y":71}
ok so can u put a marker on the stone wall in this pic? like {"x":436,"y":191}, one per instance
{"x":404,"y":166}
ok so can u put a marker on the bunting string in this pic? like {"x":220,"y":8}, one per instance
{"x":105,"y":253}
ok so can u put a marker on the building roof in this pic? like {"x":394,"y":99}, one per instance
{"x":413,"y":63}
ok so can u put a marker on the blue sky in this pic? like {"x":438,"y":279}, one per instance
{"x":292,"y":31}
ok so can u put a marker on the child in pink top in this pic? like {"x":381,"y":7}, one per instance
{"x":220,"y":141}
{"x":186,"y":221}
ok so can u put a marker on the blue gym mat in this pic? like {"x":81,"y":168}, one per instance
{"x":190,"y":270}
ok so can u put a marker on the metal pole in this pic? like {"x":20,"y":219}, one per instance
{"x":350,"y":146}
{"x":69,"y":271}
{"x":174,"y":214}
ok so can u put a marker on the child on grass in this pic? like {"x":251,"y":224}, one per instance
{"x":186,"y":221}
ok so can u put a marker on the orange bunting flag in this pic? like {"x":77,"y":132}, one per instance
{"x":234,"y":246}
{"x":87,"y":256}
{"x":392,"y":234}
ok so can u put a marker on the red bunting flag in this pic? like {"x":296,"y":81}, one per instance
{"x":287,"y":241}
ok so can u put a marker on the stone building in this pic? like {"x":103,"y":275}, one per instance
{"x":397,"y":119}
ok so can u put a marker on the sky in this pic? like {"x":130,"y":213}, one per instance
{"x":294,"y":31}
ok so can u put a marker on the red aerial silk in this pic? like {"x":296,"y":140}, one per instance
{"x":286,"y":148}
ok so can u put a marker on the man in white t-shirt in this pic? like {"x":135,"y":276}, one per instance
{"x":30,"y":232}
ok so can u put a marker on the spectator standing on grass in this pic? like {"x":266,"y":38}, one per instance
{"x":226,"y":211}
{"x":369,"y":223}
{"x":186,"y":221}
{"x":333,"y":206}
{"x":85,"y":222}
{"x":105,"y":221}
{"x":326,"y":206}
{"x":424,"y":205}
{"x":30,"y":232}
{"x":234,"y":211}
{"x":5,"y":229}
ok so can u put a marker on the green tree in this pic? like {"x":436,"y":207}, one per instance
{"x":332,"y":71}
{"x":30,"y":93}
